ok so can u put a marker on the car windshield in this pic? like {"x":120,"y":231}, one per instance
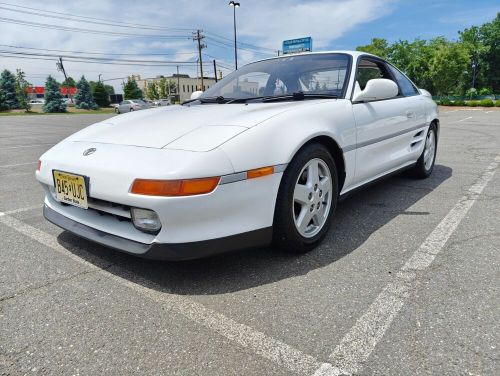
{"x":310,"y":75}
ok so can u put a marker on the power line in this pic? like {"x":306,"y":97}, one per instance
{"x":41,"y":57}
{"x":230,"y":46}
{"x":88,"y":31}
{"x":240,"y":44}
{"x":66,"y":18}
{"x":98,"y":53}
{"x":128,"y":24}
{"x":93,"y":58}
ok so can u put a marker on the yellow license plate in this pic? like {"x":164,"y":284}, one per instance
{"x":70,"y":188}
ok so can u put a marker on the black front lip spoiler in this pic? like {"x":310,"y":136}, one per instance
{"x":163,"y":251}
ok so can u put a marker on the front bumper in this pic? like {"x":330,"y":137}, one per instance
{"x":162,"y":251}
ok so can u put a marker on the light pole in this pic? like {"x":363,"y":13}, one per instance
{"x":235,"y":5}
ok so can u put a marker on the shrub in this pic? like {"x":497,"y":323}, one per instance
{"x":471,"y":93}
{"x":83,"y":96}
{"x":472,"y":103}
{"x":485,"y":91}
{"x":497,"y":103}
{"x":53,"y":97}
{"x":445,"y":102}
{"x":459,"y":102}
{"x":486,"y":103}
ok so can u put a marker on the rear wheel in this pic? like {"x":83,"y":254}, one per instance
{"x":425,"y":164}
{"x":117,"y":110}
{"x":131,"y":110}
{"x":306,"y":200}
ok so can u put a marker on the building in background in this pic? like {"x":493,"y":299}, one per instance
{"x":187,"y":84}
{"x":35,"y":92}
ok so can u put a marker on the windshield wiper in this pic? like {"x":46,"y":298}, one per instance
{"x":299,"y":95}
{"x":219,"y":99}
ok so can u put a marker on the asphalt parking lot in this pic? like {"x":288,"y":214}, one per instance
{"x":406,"y":283}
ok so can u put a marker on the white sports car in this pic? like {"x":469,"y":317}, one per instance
{"x":260,"y":157}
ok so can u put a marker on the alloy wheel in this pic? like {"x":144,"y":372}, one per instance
{"x":312,"y":198}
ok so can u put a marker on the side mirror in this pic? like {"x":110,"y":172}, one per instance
{"x":377,"y":89}
{"x":425,"y":93}
{"x":196,"y":94}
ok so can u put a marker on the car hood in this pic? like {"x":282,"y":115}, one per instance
{"x":188,"y":127}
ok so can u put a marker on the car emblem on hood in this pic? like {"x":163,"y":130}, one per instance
{"x":89,"y":151}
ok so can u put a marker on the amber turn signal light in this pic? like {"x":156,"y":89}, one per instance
{"x":188,"y":187}
{"x":259,"y":172}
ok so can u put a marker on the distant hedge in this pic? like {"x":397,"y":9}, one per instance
{"x":472,"y":103}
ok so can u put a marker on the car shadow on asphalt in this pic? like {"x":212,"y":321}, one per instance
{"x":356,"y":219}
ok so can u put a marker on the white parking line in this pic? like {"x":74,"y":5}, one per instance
{"x":20,"y":210}
{"x":459,"y":121}
{"x":357,"y":345}
{"x":17,"y":164}
{"x":26,"y":146}
{"x":269,"y":348}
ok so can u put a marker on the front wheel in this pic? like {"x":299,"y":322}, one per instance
{"x":425,"y":164}
{"x":117,"y":110}
{"x":306,"y":201}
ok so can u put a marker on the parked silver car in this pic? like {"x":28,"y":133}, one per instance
{"x":130,"y":105}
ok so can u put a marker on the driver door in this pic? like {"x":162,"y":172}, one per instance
{"x":379,"y":125}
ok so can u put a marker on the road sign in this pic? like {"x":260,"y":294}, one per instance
{"x":294,"y":46}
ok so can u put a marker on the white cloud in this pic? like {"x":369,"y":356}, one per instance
{"x":262,"y":22}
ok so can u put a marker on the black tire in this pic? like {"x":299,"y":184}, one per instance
{"x":285,"y":234}
{"x":419,"y":171}
{"x":117,"y":110}
{"x":131,"y":110}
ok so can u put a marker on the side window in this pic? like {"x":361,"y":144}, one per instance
{"x":370,"y":69}
{"x":406,"y":87}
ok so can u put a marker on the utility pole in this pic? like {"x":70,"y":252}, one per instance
{"x":215,"y":71}
{"x":60,"y":67}
{"x":199,"y":37}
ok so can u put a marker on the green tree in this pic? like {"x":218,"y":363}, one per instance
{"x":490,"y":34}
{"x":101,"y":96}
{"x":152,"y":91}
{"x":3,"y":105}
{"x":472,"y":39}
{"x":413,"y":58}
{"x":22,"y":90}
{"x":166,"y":87}
{"x":8,"y":87}
{"x":378,"y":47}
{"x":131,"y":90}
{"x":110,"y":89}
{"x":449,"y":67}
{"x":68,"y":82}
{"x":53,"y":97}
{"x":83,"y":97}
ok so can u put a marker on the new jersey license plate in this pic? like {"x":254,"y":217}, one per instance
{"x":70,"y":189}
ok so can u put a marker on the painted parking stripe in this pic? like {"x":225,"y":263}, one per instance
{"x":357,"y":345}
{"x":17,"y":164}
{"x":26,"y":146}
{"x":269,"y":348}
{"x":20,"y":210}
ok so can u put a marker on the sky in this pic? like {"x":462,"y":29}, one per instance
{"x":154,"y":37}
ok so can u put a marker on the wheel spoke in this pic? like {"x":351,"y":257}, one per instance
{"x":325,"y":185}
{"x":301,"y":194}
{"x":313,"y":174}
{"x":304,"y":219}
